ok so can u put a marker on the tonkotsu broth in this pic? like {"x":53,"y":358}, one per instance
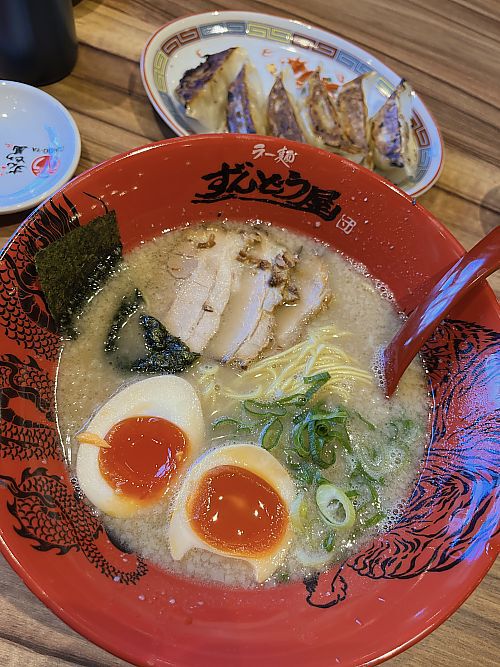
{"x":364,"y":318}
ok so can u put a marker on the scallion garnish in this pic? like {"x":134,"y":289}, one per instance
{"x":335,"y":508}
{"x":374,"y":520}
{"x":224,"y":421}
{"x":264,"y":409}
{"x":271,"y":434}
{"x":329,"y":542}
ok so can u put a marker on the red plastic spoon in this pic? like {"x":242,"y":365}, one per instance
{"x":477,"y":264}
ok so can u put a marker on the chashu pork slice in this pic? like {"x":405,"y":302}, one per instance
{"x":203,"y":268}
{"x":248,"y":321}
{"x":308,"y":293}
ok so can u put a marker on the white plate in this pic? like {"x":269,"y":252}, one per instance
{"x":39,"y":146}
{"x":270,"y":40}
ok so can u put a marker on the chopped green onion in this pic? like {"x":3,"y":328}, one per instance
{"x":321,"y":453}
{"x":371,"y":426}
{"x":407,"y":425}
{"x":372,"y":491}
{"x":305,"y":473}
{"x":320,"y":378}
{"x":372,"y":521}
{"x":271,"y":434}
{"x":322,"y":429}
{"x":335,"y":508}
{"x":329,"y":542}
{"x":316,"y":382}
{"x":328,"y":453}
{"x":359,"y":471}
{"x":293,"y":399}
{"x":264,"y":409}
{"x":341,"y":435}
{"x":222,"y":421}
{"x":301,"y":447}
{"x":404,"y":434}
{"x":339,"y":414}
{"x":401,"y":429}
{"x":315,"y":431}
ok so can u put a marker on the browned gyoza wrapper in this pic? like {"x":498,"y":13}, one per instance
{"x":203,"y":90}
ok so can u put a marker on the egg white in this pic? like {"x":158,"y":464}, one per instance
{"x":182,"y":538}
{"x":166,"y":396}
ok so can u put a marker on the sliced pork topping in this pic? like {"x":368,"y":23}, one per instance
{"x":203,"y":268}
{"x":248,"y":321}
{"x":225,"y":291}
{"x":307,"y":292}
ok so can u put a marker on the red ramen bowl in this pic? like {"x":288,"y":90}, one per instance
{"x":377,"y":602}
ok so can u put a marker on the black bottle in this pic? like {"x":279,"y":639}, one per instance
{"x":37,"y":40}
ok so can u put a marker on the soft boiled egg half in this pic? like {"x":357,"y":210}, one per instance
{"x":134,"y":446}
{"x":235,"y":501}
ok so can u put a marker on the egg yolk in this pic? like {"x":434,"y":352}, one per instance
{"x":238,"y":512}
{"x":143,"y":456}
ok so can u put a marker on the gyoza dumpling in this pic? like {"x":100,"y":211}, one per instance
{"x":203,"y":90}
{"x":282,"y":116}
{"x":352,"y":114}
{"x":245,"y":113}
{"x":395,"y":149}
{"x":322,"y":116}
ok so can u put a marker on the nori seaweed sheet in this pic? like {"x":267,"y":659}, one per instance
{"x":166,"y":353}
{"x":128,"y":306}
{"x":73,"y":267}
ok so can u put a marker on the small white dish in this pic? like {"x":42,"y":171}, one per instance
{"x":39,"y":146}
{"x":270,"y":42}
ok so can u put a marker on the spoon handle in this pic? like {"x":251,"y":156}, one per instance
{"x":477,"y":264}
